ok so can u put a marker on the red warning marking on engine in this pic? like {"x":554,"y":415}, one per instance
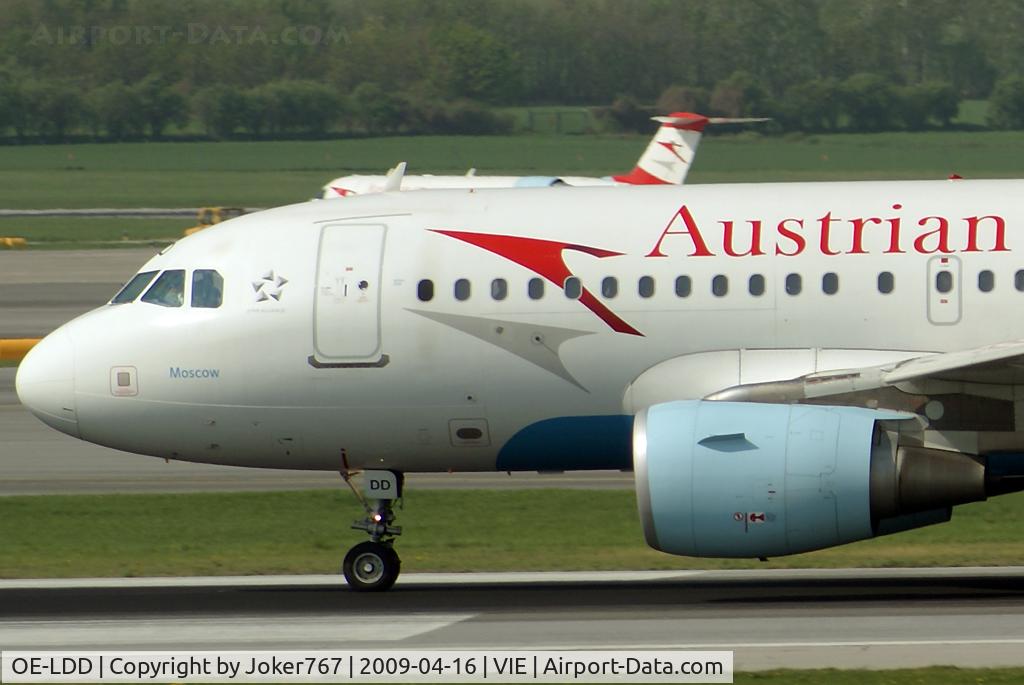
{"x":756,"y":517}
{"x":739,"y":516}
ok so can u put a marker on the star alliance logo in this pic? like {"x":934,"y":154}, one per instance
{"x":269,"y":286}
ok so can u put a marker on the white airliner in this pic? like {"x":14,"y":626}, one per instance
{"x":786,"y":367}
{"x":666,"y":160}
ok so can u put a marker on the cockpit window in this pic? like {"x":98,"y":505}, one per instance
{"x":135,"y":286}
{"x":207,"y":289}
{"x":169,"y":289}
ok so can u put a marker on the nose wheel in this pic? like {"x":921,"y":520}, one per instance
{"x":373,"y":566}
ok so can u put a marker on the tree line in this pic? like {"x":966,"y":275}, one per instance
{"x":54,"y":111}
{"x":127,"y":69}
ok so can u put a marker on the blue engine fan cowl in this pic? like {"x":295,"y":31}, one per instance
{"x":725,"y":479}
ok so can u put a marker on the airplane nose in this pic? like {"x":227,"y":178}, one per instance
{"x":46,"y":382}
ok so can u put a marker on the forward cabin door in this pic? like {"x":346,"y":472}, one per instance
{"x":346,"y":308}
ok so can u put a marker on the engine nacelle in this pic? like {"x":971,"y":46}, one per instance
{"x":724,"y":479}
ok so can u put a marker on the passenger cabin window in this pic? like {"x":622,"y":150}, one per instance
{"x":720,"y":286}
{"x":535,"y":288}
{"x":944,"y":281}
{"x":207,"y":289}
{"x":986,"y":281}
{"x":573,"y":288}
{"x":1018,"y":280}
{"x":646,"y":286}
{"x":684,"y":286}
{"x":425,"y":290}
{"x":794,"y":284}
{"x":609,"y":287}
{"x":135,"y":286}
{"x":886,"y":282}
{"x":169,"y":289}
{"x":830,"y":283}
{"x":499,"y":289}
{"x":756,"y":285}
{"x":462,"y":289}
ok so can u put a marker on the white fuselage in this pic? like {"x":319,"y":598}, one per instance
{"x":347,"y":362}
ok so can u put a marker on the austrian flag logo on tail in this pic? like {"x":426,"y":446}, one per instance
{"x":544,"y":258}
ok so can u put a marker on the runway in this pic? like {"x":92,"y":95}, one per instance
{"x":881,"y":618}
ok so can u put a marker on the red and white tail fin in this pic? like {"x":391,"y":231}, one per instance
{"x":670,"y":153}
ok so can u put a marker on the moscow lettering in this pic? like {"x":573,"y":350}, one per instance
{"x":830,"y":235}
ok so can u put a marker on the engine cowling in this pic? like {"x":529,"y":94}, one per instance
{"x":724,"y":479}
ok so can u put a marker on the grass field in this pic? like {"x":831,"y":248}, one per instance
{"x":942,"y":675}
{"x":307,"y":532}
{"x":272,"y":173}
{"x":265,"y":174}
{"x":275,"y":173}
{"x":59,"y":232}
{"x":973,"y":112}
{"x":552,"y":119}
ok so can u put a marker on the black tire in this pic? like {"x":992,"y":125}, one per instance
{"x":371,"y":567}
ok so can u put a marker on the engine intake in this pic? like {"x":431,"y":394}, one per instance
{"x":728,"y":479}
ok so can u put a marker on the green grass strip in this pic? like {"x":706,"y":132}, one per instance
{"x":98,"y":232}
{"x":940,"y":675}
{"x":263,"y":174}
{"x":444,"y":530}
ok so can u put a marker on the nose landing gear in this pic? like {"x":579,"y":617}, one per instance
{"x":373,"y":566}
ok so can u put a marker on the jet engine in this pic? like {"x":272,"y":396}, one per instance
{"x":725,"y":479}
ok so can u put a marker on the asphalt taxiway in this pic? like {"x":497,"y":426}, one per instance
{"x":42,"y":289}
{"x":885,"y":618}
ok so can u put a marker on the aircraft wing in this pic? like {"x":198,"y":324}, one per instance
{"x":989,"y":371}
{"x":999,"y":364}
